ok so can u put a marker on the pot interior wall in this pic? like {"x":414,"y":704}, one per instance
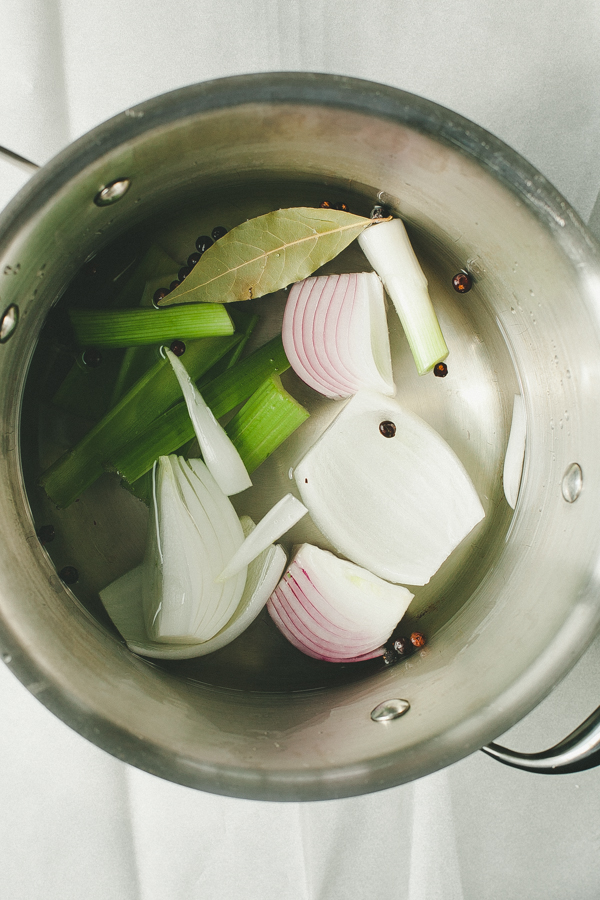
{"x":257,"y":718}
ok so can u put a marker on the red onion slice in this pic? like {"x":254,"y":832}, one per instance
{"x":335,"y":334}
{"x":334,"y":610}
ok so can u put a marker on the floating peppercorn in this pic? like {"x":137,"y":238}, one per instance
{"x":177,"y":347}
{"x":462,"y":282}
{"x":387,"y":429}
{"x":378,"y":212}
{"x":325,"y":204}
{"x":389,"y":657}
{"x":203,"y":243}
{"x":46,"y":534}
{"x":69,"y":575}
{"x":159,"y":295}
{"x":341,"y":206}
{"x":173,"y":285}
{"x":92,"y":357}
{"x":183,"y":273}
{"x":417,"y":639}
{"x":441,"y":370}
{"x":403,"y":646}
{"x":193,"y":259}
{"x":218,"y":232}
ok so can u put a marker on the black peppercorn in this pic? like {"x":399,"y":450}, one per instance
{"x":160,"y":294}
{"x":218,"y":232}
{"x":203,"y":243}
{"x":46,"y":534}
{"x":462,"y":282}
{"x":177,"y":347}
{"x":69,"y":575}
{"x":183,"y":272}
{"x":441,"y":370}
{"x":387,"y":429}
{"x":378,"y":212}
{"x":341,"y":206}
{"x":403,"y":646}
{"x":390,"y":656}
{"x":92,"y":357}
{"x":173,"y":285}
{"x":193,"y":259}
{"x":325,"y":204}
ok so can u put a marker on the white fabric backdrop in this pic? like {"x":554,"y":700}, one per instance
{"x":77,"y":823}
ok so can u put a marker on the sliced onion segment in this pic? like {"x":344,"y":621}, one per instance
{"x":220,"y":455}
{"x":334,"y":610}
{"x":271,"y":527}
{"x":123,"y":600}
{"x":396,"y":505}
{"x":193,"y":531}
{"x":335,"y":334}
{"x":515,"y":452}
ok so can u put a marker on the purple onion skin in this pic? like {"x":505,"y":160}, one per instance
{"x":289,"y":594}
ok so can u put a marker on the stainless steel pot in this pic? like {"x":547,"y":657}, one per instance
{"x":513,"y":608}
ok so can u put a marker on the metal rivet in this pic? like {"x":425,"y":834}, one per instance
{"x":9,"y":322}
{"x":572,"y":483}
{"x":390,"y":709}
{"x":112,"y":192}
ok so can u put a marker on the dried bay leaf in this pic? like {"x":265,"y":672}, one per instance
{"x":268,"y":253}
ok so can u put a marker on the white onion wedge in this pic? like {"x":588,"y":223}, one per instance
{"x":335,"y":334}
{"x":193,"y":531}
{"x":271,"y":527}
{"x":397,"y":506}
{"x":388,"y":249}
{"x":334,"y":610}
{"x":221,"y":457}
{"x":123,"y":600}
{"x":515,"y":452}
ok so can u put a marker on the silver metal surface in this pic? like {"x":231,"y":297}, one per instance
{"x":509,"y":612}
{"x":17,"y":160}
{"x":389,"y":710}
{"x":9,"y":322}
{"x":579,"y":751}
{"x":112,"y":192}
{"x":572,"y":483}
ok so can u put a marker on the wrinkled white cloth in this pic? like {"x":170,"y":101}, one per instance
{"x":75,"y":822}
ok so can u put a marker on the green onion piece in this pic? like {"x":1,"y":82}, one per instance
{"x":264,"y":422}
{"x":170,"y":431}
{"x":136,"y":361}
{"x":246,"y":333}
{"x":87,"y":391}
{"x":155,"y":392}
{"x":135,"y":327}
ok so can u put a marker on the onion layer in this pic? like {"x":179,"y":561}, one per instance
{"x":387,"y":490}
{"x":220,"y":455}
{"x":123,"y":600}
{"x":334,"y":610}
{"x":515,"y":452}
{"x":335,"y":334}
{"x":193,"y":531}
{"x":272,"y":526}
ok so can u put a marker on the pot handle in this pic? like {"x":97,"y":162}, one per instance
{"x":579,"y":751}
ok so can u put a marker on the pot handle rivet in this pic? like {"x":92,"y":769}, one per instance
{"x":572,"y":483}
{"x":390,"y":709}
{"x":9,"y":322}
{"x":112,"y":192}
